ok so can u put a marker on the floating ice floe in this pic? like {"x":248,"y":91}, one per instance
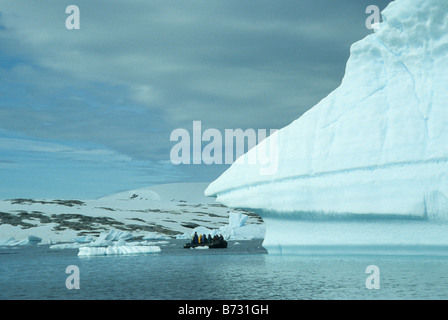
{"x":65,"y":246}
{"x":106,"y":239}
{"x":113,"y":242}
{"x":117,"y":250}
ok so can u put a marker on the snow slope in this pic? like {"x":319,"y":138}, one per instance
{"x":375,"y":146}
{"x":158,"y":212}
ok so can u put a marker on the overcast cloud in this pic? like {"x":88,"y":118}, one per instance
{"x":137,"y":70}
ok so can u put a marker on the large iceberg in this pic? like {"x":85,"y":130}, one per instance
{"x":369,"y":163}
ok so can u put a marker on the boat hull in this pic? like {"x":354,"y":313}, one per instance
{"x":215,"y":245}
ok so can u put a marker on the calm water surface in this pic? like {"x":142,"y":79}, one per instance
{"x":242,"y":271}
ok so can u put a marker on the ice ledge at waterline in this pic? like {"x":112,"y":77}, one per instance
{"x":365,"y":235}
{"x":377,"y":145}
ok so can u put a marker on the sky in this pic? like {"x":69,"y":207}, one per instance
{"x":89,"y":112}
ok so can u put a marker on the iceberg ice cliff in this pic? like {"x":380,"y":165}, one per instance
{"x":369,"y":163}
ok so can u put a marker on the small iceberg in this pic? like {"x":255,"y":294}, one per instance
{"x":156,"y":236}
{"x":236,"y":229}
{"x":60,"y":246}
{"x":83,"y":239}
{"x":117,"y":250}
{"x":115,"y":242}
{"x":106,"y":239}
{"x":30,"y":241}
{"x":7,"y":242}
{"x":115,"y":235}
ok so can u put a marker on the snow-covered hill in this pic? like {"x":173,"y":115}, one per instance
{"x":164,"y":211}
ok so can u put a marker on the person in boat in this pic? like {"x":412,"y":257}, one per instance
{"x":195,"y":238}
{"x":209,"y":238}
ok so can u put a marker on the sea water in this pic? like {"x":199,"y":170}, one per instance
{"x":243,"y":271}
